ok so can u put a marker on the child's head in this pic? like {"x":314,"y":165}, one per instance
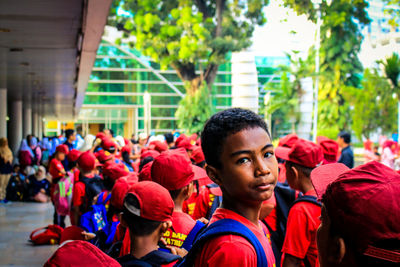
{"x":147,"y":209}
{"x":300,"y":159}
{"x":344,"y":138}
{"x":240,"y":156}
{"x":72,"y":157}
{"x":360,"y":215}
{"x":61,"y":152}
{"x":86,"y":162}
{"x":16,"y":168}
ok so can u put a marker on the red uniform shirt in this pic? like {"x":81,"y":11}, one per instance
{"x":204,"y":202}
{"x":79,"y":193}
{"x":189,"y":204}
{"x":233,"y":250}
{"x":56,"y":169}
{"x":182,"y":224}
{"x":303,"y":222}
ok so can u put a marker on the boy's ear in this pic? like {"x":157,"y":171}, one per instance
{"x":212,"y":172}
{"x":295,"y":173}
{"x":337,"y":250}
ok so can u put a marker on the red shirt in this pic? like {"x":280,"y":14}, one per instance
{"x":189,"y":204}
{"x":271,"y":218}
{"x":79,"y":193}
{"x":303,"y":222}
{"x":182,"y":224}
{"x":233,"y":250}
{"x":204,"y":202}
{"x":56,"y":168}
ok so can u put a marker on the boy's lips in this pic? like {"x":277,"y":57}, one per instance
{"x":264,"y":186}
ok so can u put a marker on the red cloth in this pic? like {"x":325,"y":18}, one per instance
{"x":78,"y":194}
{"x":126,"y":244}
{"x":182,"y":224}
{"x":189,"y":204}
{"x":233,"y":250}
{"x":303,"y":222}
{"x":56,"y":168}
{"x":203,"y":203}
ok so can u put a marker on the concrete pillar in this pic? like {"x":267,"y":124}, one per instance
{"x":40,"y":128}
{"x":27,"y":125}
{"x":35,"y":123}
{"x":3,"y":112}
{"x":15,"y":129}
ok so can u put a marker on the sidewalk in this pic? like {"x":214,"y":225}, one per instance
{"x":17,"y":221}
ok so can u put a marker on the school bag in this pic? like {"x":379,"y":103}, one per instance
{"x":93,"y":187}
{"x":50,"y":234}
{"x":96,"y":218}
{"x":15,"y":188}
{"x":153,"y":259}
{"x":188,"y":243}
{"x":215,"y":204}
{"x":62,"y":195}
{"x":219,"y":228}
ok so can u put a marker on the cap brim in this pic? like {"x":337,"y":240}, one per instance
{"x":282,"y":152}
{"x":324,"y":175}
{"x":201,"y":175}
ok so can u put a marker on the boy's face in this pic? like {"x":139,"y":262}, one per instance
{"x":60,"y":156}
{"x":249,"y":168}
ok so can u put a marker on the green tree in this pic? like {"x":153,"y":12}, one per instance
{"x":373,"y":105}
{"x":392,"y":8}
{"x":192,"y":36}
{"x":340,"y":67}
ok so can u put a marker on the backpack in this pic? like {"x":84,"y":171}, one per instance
{"x":285,"y":198}
{"x":219,"y":228}
{"x":153,"y":259}
{"x":188,"y":243}
{"x":15,"y":188}
{"x":62,"y":195}
{"x":215,"y":204}
{"x":93,"y":187}
{"x":96,"y":218}
{"x":50,"y":235}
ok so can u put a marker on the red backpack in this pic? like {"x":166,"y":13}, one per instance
{"x":50,"y":235}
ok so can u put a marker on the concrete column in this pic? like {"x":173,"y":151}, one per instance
{"x":40,"y":128}
{"x":15,"y":129}
{"x":35,"y":123}
{"x":27,"y":125}
{"x":3,"y":112}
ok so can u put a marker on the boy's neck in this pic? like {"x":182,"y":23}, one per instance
{"x":306,"y":185}
{"x":250,"y":212}
{"x":178,"y":202}
{"x":143,"y":245}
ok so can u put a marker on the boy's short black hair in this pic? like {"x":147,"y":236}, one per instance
{"x":175,"y":193}
{"x":346,"y":136}
{"x":169,"y":138}
{"x":68,"y":133}
{"x":223,"y":124}
{"x":144,"y":161}
{"x":305,"y":170}
{"x":138,"y":226}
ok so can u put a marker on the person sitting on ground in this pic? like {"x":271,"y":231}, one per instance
{"x":38,"y":186}
{"x":360,"y":215}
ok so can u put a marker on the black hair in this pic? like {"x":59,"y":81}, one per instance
{"x":125,"y":157}
{"x":72,"y":164}
{"x":169,"y":138}
{"x":223,"y":124}
{"x":144,"y":162}
{"x":305,"y":170}
{"x":68,"y":133}
{"x":346,"y":136}
{"x":138,"y":226}
{"x":175,"y":193}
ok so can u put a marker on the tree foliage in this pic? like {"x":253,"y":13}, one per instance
{"x":392,"y":8}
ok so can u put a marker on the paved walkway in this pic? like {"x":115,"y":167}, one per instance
{"x":17,"y":221}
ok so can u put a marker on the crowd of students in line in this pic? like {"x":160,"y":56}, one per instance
{"x":227,"y":198}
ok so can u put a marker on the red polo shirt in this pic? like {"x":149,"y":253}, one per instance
{"x":303,"y":222}
{"x":233,"y":250}
{"x":182,"y":224}
{"x":189,"y":204}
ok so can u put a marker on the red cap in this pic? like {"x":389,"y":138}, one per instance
{"x":132,"y":177}
{"x":198,"y":155}
{"x":194,"y":137}
{"x":71,"y":233}
{"x":73,"y":155}
{"x":101,"y":136}
{"x":115,"y":171}
{"x":119,"y":191}
{"x":126,"y":148}
{"x":179,"y":139}
{"x":329,"y":147}
{"x":126,"y":141}
{"x":62,"y":149}
{"x":363,"y":203}
{"x":80,"y":253}
{"x":155,"y":202}
{"x":108,"y":144}
{"x":150,"y":153}
{"x":159,"y":146}
{"x":145,"y":173}
{"x":186,"y":144}
{"x":87,"y":161}
{"x":172,"y":169}
{"x":288,"y":140}
{"x":303,"y":152}
{"x":103,"y":155}
{"x":201,"y":175}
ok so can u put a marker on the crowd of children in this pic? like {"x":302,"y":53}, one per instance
{"x":227,"y":198}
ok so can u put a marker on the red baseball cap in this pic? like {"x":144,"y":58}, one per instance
{"x":180,"y":139}
{"x":126,"y":148}
{"x":288,"y":140}
{"x":109,"y":145}
{"x":103,"y":155}
{"x":159,"y":146}
{"x":73,"y":155}
{"x":80,"y":253}
{"x":186,"y":144}
{"x":145,"y":173}
{"x":149,"y":153}
{"x":303,"y":152}
{"x":115,"y":171}
{"x":87,"y":161}
{"x":132,"y":177}
{"x":198,"y":155}
{"x":155,"y":202}
{"x":71,"y":233}
{"x":62,"y":149}
{"x":119,"y":191}
{"x":101,"y":136}
{"x":362,"y":203}
{"x":329,"y":147}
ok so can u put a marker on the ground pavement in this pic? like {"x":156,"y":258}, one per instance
{"x":17,"y":220}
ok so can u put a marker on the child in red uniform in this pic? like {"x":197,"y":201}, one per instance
{"x":360,"y":215}
{"x":173,"y":170}
{"x":240,"y":157}
{"x":147,"y":212}
{"x":300,"y":245}
{"x":57,"y":171}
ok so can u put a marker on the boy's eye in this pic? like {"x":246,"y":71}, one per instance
{"x":268,"y":154}
{"x":243,"y":160}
